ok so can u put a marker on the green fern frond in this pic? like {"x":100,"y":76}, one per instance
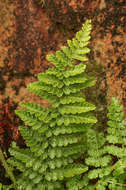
{"x":117,"y":143}
{"x":62,"y":133}
{"x":76,"y":108}
{"x":116,"y":130}
{"x":96,"y":149}
{"x":97,"y":157}
{"x":106,"y":154}
{"x":77,"y":182}
{"x":57,"y":135}
{"x":78,"y":119}
{"x":73,"y":98}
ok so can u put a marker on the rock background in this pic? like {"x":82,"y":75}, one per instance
{"x":29,"y":31}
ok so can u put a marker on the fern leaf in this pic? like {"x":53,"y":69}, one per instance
{"x":117,"y":126}
{"x":47,"y":88}
{"x":78,"y":69}
{"x":54,"y":71}
{"x":73,"y":98}
{"x":67,"y":172}
{"x":75,"y":79}
{"x":70,"y":119}
{"x":76,"y":108}
{"x":57,"y":134}
{"x":77,"y":182}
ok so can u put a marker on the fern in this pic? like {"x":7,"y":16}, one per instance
{"x":61,"y":135}
{"x":56,"y":136}
{"x":117,"y":142}
{"x":116,"y":147}
{"x":106,"y":154}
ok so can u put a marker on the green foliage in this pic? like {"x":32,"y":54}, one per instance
{"x":106,"y":153}
{"x":64,"y":148}
{"x":56,"y":136}
{"x":6,"y":187}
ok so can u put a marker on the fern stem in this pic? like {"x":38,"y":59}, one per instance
{"x":120,"y":184}
{"x":7,"y":168}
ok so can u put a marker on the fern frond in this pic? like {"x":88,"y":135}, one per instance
{"x":106,"y":153}
{"x":57,"y":135}
{"x":76,"y":108}
{"x":69,"y":171}
{"x":52,"y":80}
{"x":76,"y":70}
{"x":32,"y":121}
{"x":72,"y":98}
{"x":73,"y":128}
{"x":46,"y":88}
{"x":97,"y":157}
{"x":78,"y":119}
{"x":116,"y":130}
{"x":77,"y":182}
